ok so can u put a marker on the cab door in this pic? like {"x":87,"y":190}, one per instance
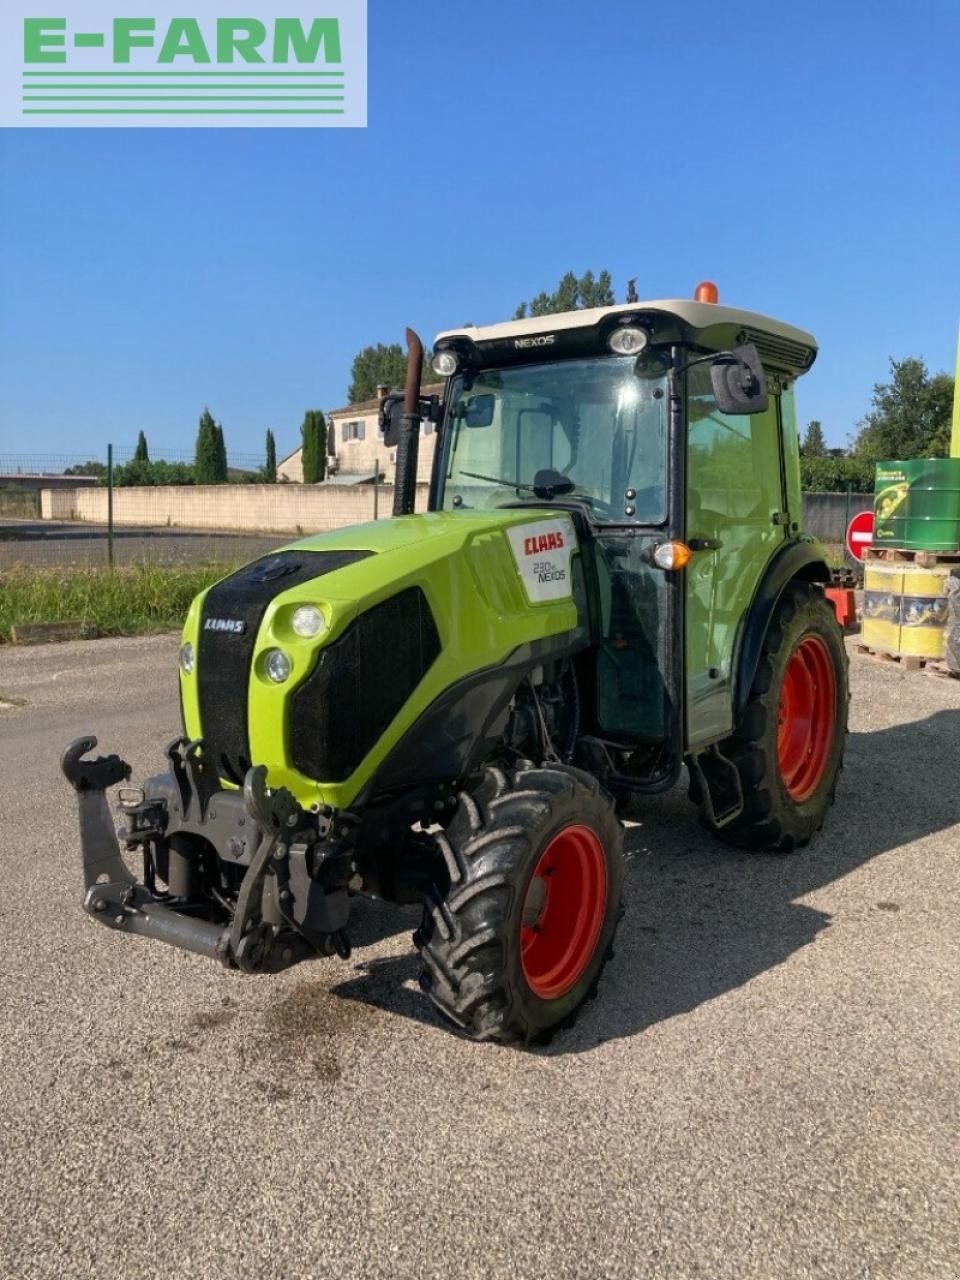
{"x":735,"y":521}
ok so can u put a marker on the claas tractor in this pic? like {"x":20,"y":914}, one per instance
{"x":452,"y":708}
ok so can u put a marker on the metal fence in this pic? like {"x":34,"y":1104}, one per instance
{"x":100,"y":519}
{"x":91,"y":515}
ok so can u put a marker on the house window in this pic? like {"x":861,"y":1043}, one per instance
{"x":353,"y":431}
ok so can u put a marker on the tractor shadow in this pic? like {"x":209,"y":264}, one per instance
{"x":702,"y":919}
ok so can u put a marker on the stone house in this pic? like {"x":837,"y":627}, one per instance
{"x":355,"y":445}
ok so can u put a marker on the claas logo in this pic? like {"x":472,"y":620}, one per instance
{"x":542,"y":542}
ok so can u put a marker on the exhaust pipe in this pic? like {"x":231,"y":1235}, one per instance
{"x":408,"y":446}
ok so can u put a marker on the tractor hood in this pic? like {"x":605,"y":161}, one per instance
{"x":403,"y":611}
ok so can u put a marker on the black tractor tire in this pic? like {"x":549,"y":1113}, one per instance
{"x":789,"y":780}
{"x":511,"y":891}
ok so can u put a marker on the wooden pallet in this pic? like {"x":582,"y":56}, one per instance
{"x":907,"y":661}
{"x":922,"y":559}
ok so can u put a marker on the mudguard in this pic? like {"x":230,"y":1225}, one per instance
{"x":801,"y":559}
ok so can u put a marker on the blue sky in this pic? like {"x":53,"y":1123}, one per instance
{"x":803,"y":156}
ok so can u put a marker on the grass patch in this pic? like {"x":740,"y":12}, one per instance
{"x":122,"y":602}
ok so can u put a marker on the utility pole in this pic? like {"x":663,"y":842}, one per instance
{"x":955,"y":436}
{"x":110,"y":505}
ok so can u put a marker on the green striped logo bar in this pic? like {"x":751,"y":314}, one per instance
{"x":94,"y":66}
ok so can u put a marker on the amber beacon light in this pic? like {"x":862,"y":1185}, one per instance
{"x":706,"y":291}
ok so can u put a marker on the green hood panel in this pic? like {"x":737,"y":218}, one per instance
{"x":494,"y":581}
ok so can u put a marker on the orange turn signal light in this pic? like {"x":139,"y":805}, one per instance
{"x":672,"y":555}
{"x":706,"y":291}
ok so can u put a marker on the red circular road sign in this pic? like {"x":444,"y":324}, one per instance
{"x":860,"y":534}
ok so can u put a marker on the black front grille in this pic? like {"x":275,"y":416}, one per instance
{"x":359,"y":684}
{"x":232,"y":613}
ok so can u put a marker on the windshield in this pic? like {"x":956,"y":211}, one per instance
{"x":591,"y":429}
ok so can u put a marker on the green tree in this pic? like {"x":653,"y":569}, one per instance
{"x":909,"y":416}
{"x":571,"y":294}
{"x":380,"y":365}
{"x":813,"y":444}
{"x":270,"y":467}
{"x":210,"y":465}
{"x":140,"y":454}
{"x":836,"y":475}
{"x":91,"y":468}
{"x":140,"y":472}
{"x":314,"y":434}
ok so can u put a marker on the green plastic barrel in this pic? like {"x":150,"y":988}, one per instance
{"x":917,"y":505}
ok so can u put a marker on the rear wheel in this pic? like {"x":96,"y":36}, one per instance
{"x":788,"y":747}
{"x":515,"y":937}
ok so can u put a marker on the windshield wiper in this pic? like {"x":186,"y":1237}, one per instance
{"x":509,"y":484}
{"x":547,"y":483}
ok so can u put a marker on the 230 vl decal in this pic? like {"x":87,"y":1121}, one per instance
{"x":542,"y":551}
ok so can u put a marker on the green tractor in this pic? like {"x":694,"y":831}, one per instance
{"x":451,"y":708}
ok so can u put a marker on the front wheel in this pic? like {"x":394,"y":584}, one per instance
{"x":516,"y":934}
{"x":788,"y":747}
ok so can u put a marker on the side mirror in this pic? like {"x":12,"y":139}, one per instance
{"x":389,"y":418}
{"x":739,"y":382}
{"x":478,"y":411}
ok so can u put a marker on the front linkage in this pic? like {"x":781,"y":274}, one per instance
{"x":253,"y":879}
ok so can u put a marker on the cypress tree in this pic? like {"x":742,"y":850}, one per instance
{"x":314,"y":434}
{"x":207,"y":450}
{"x":320,"y":429}
{"x":270,"y":469}
{"x":312,"y":458}
{"x":221,"y":456}
{"x":140,"y":454}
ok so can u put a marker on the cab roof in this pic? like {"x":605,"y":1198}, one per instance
{"x":705,"y":324}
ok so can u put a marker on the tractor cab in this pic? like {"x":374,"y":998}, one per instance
{"x":667,"y":431}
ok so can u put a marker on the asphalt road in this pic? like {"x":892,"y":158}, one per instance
{"x":48,"y":543}
{"x":767,"y":1086}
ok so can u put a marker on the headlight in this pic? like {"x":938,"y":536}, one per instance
{"x":445,"y":364}
{"x":186,"y":658}
{"x":628,"y":341}
{"x":277,"y":665}
{"x":308,"y":621}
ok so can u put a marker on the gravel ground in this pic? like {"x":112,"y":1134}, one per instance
{"x":767,"y":1086}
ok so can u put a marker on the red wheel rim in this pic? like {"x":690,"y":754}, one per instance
{"x":807,"y":718}
{"x":563,"y":912}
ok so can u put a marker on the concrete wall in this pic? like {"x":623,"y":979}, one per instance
{"x":271,"y":508}
{"x":826,"y":515}
{"x":287,"y":508}
{"x":59,"y":504}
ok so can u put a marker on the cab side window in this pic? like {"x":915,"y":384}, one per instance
{"x":733,"y":463}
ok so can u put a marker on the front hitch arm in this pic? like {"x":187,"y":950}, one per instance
{"x":98,"y":839}
{"x":112,"y":894}
{"x":284,"y":833}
